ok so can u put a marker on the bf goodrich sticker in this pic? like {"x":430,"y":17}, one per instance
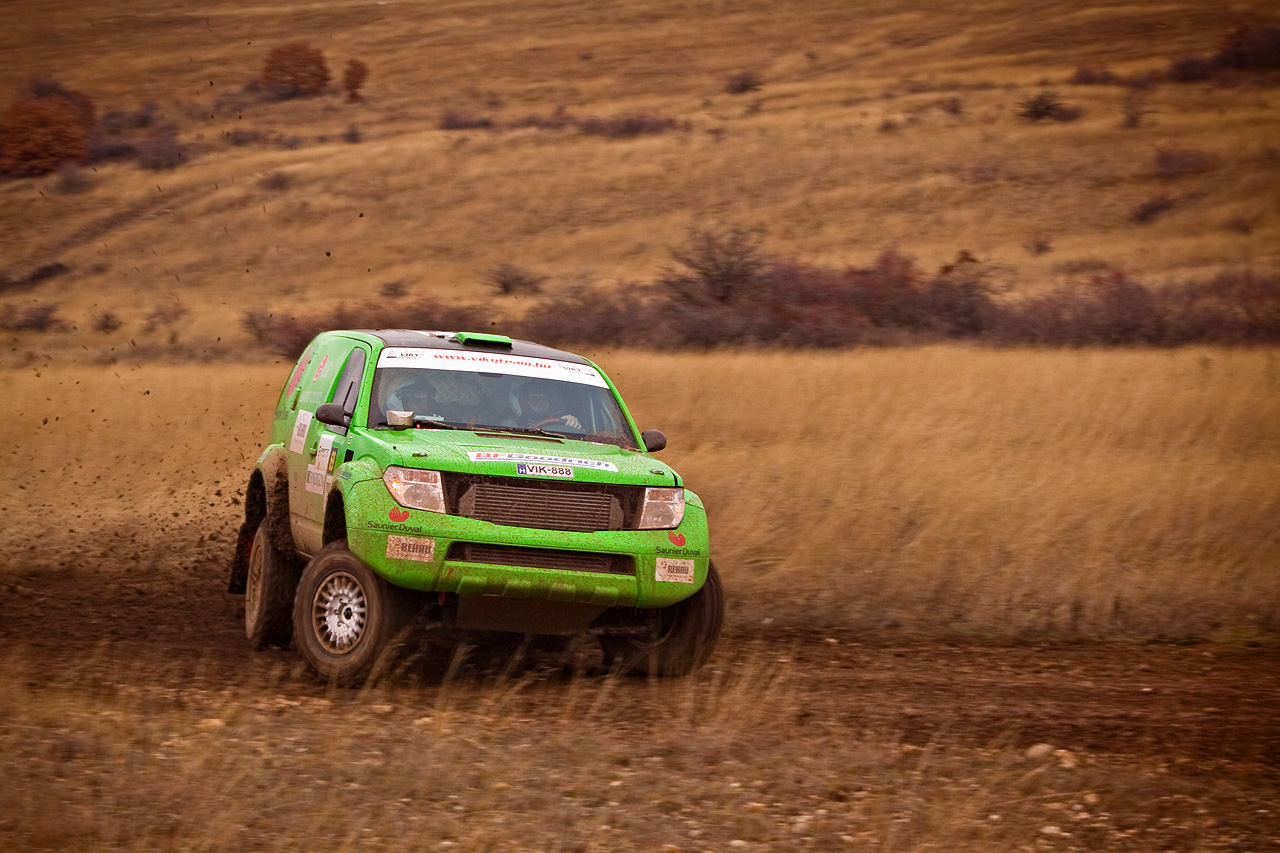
{"x":534,"y":458}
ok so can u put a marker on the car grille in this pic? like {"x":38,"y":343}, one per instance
{"x":517,"y":502}
{"x":542,"y":558}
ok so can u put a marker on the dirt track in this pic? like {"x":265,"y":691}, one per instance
{"x":1201,"y":703}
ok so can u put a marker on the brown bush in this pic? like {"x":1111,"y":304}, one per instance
{"x":1251,"y":47}
{"x":626,"y":125}
{"x":353,"y":78}
{"x":37,"y":135}
{"x":1152,"y":209}
{"x":742,"y":82}
{"x":1047,"y":105}
{"x":1092,"y":75}
{"x":294,"y":70}
{"x":160,"y":150}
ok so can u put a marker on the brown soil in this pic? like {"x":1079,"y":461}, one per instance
{"x":1197,"y":703}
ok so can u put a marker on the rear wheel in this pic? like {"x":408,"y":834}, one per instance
{"x":344,"y":615}
{"x":680,"y":638}
{"x":271,"y":580}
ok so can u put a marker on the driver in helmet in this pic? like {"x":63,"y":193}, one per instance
{"x":417,"y":395}
{"x":536,"y":407}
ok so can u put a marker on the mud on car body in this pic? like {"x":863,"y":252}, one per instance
{"x":474,"y":483}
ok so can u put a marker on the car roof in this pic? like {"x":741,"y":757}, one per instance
{"x":445,"y":340}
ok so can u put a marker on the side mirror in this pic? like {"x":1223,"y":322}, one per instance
{"x":654,"y":440}
{"x":332,"y":414}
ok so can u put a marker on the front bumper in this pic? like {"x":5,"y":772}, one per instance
{"x":433,"y":552}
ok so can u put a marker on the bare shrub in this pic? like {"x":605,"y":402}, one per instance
{"x":511,"y":280}
{"x":104,"y":147}
{"x":33,"y":318}
{"x":38,"y":135}
{"x":106,"y":322}
{"x":558,"y":120}
{"x":716,"y":267}
{"x":1251,"y":47}
{"x":1191,"y":68}
{"x":1230,"y":308}
{"x":353,"y":77}
{"x":160,"y":150}
{"x":294,"y":70}
{"x":288,"y":334}
{"x":1092,"y":75}
{"x":626,"y":125}
{"x":1151,"y":209}
{"x":1171,"y":163}
{"x":461,"y":120}
{"x":742,"y":82}
{"x":275,"y":181}
{"x":588,"y":316}
{"x":1047,"y":105}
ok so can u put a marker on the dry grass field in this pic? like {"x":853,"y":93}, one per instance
{"x":941,"y":491}
{"x":977,"y":599}
{"x":891,"y":125}
{"x":922,"y":550}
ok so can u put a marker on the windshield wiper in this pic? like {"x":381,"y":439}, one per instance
{"x":524,"y":430}
{"x":421,"y":422}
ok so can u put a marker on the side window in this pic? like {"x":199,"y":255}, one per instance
{"x":347,"y":389}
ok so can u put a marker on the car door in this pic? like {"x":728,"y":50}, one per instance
{"x":335,"y":375}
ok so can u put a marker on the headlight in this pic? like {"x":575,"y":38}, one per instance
{"x":662,"y":508}
{"x":415,"y":488}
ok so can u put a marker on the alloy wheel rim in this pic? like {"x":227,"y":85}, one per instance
{"x":339,"y":613}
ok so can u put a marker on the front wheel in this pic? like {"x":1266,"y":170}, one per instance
{"x":681,"y":637}
{"x":344,"y":615}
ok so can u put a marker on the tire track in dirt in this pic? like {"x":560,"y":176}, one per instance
{"x":179,"y":628}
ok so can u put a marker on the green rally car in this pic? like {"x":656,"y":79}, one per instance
{"x":470,"y":482}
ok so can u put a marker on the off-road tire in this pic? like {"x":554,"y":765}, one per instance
{"x":344,"y":616}
{"x":681,"y":639}
{"x":270,"y":582}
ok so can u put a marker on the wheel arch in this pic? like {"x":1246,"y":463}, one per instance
{"x":335,"y":518}
{"x":266,"y":497}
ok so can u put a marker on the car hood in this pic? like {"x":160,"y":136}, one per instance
{"x":502,"y":454}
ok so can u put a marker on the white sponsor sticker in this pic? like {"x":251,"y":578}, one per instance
{"x":563,"y":471}
{"x":318,"y":471}
{"x":674,"y":571}
{"x":300,"y":427}
{"x":495,"y":456}
{"x":474,"y":362}
{"x":411,"y":548}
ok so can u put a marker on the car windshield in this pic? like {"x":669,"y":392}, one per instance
{"x":448,"y":388}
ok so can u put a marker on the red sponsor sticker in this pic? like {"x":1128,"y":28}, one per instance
{"x":397,"y":515}
{"x":320,"y":369}
{"x":677,"y":539}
